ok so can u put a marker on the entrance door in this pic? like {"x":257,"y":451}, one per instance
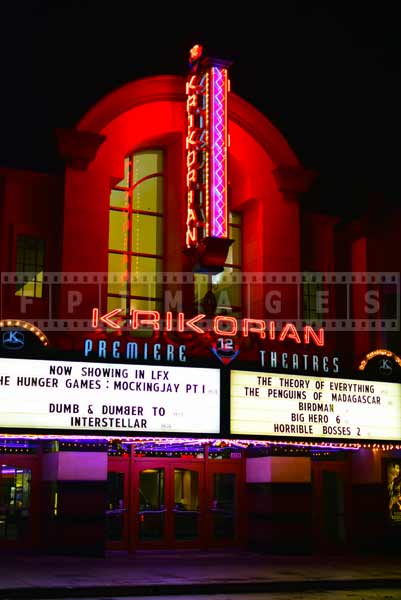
{"x":224,"y":522}
{"x":18,"y":502}
{"x":117,"y":515}
{"x":167,"y":503}
{"x":330,"y":500}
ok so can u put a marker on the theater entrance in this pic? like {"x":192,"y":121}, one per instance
{"x":167,"y":503}
{"x":18,"y":502}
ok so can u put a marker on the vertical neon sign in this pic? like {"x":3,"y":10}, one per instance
{"x":206,"y":146}
{"x":218,"y":151}
{"x":197,"y":158}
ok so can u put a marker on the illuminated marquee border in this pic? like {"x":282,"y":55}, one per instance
{"x":379,"y":352}
{"x":27,"y":326}
{"x":212,"y":441}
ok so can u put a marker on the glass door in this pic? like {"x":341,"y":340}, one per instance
{"x":186,"y":504}
{"x":224,"y":502}
{"x":18,"y":503}
{"x":167,"y":503}
{"x":150,"y":493}
{"x":117,"y":504}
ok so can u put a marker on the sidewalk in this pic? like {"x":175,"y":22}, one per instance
{"x":196,"y":572}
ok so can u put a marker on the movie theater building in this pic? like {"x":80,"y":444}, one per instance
{"x":190,"y":357}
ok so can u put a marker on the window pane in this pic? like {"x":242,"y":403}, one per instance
{"x":234,"y":218}
{"x":146,"y":163}
{"x":146,"y":304}
{"x":27,"y":289}
{"x":145,"y":269}
{"x":115,"y":512}
{"x":200,"y":287}
{"x":234,"y":252}
{"x":310,"y":291}
{"x":125,"y":181}
{"x":151,"y":516}
{"x":118,"y":230}
{"x":134,"y":233}
{"x":227,"y":289}
{"x":113,"y":302}
{"x":15,"y":492}
{"x":147,"y":234}
{"x":148,"y":195}
{"x":145,"y":331}
{"x":226,"y":285}
{"x":119,"y":199}
{"x":118,"y":268}
{"x":30,"y":259}
{"x":186,"y":504}
{"x":30,"y":255}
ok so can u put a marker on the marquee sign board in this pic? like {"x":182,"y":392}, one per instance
{"x":99,"y":398}
{"x":271,"y":404}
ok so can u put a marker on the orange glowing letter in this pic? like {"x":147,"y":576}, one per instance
{"x":254,"y":326}
{"x":232,"y":321}
{"x":291,"y":332}
{"x":145,"y":317}
{"x":309,"y":333}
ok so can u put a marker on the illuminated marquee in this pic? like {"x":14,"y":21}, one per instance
{"x":206,"y":146}
{"x":39,"y":395}
{"x":273,"y":404}
{"x":222,"y":325}
{"x":380,"y":352}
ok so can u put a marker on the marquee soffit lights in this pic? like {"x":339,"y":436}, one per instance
{"x":212,"y":442}
{"x":27,"y":326}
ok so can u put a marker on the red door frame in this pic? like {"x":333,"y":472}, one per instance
{"x":169,"y":464}
{"x":32,"y":462}
{"x":236,"y":466}
{"x":206,"y":468}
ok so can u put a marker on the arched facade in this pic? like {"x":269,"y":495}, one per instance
{"x":112,"y":433}
{"x":265,"y":178}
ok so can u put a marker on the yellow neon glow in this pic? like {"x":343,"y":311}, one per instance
{"x":379,"y":352}
{"x":18,"y":323}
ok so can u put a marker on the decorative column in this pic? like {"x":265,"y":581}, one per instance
{"x":279,"y":503}
{"x":74,"y":476}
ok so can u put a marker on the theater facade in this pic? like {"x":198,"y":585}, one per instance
{"x":191,"y":356}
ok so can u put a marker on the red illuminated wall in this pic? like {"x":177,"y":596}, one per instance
{"x":265,"y":179}
{"x":31,"y":204}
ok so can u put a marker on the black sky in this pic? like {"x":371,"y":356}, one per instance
{"x":327,"y":74}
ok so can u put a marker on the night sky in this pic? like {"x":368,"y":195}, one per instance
{"x":327,"y":74}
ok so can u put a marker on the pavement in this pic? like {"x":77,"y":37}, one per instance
{"x":162,"y":573}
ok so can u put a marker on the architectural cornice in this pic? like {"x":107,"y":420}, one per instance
{"x":78,"y":148}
